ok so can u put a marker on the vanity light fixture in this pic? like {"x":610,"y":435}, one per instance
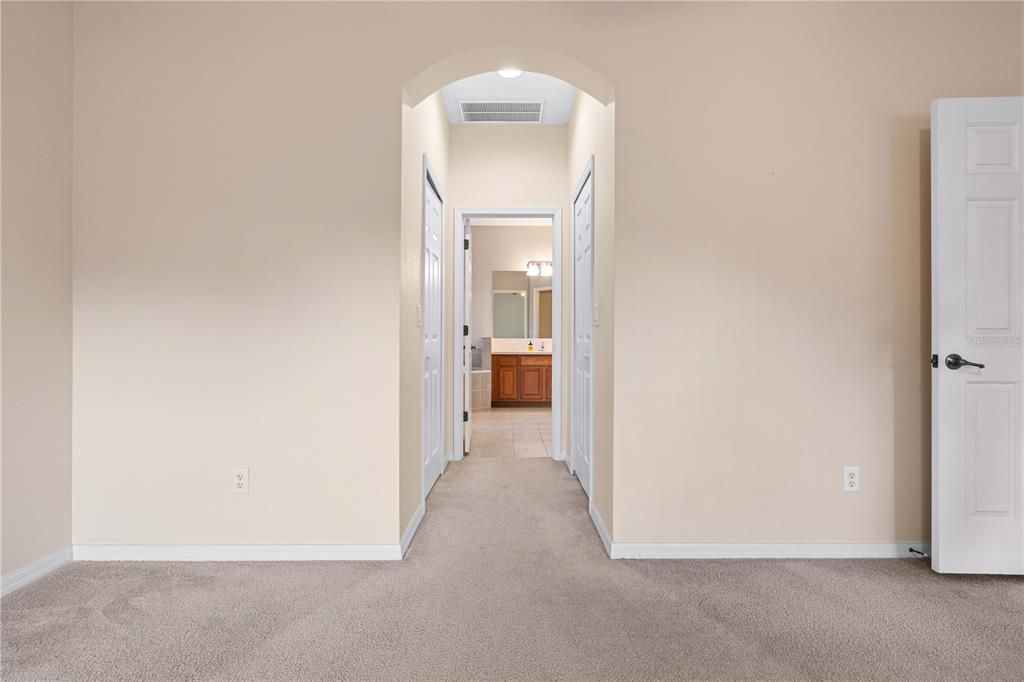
{"x":539,"y":268}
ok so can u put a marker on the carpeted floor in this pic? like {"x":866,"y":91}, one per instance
{"x":507,"y":579}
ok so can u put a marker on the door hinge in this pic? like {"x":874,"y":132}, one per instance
{"x":935,"y":360}
{"x":465,"y":330}
{"x":465,"y":245}
{"x":465,"y":416}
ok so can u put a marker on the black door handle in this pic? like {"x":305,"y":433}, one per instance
{"x":954,"y":361}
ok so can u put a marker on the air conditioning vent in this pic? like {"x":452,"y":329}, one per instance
{"x":501,"y":112}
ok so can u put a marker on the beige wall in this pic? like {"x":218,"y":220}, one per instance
{"x":36,"y":281}
{"x":592,"y":135}
{"x":507,"y":248}
{"x":424,"y":131}
{"x":237,"y":276}
{"x":238,"y":258}
{"x":789,"y":214}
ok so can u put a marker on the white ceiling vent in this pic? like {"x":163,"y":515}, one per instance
{"x":516,"y":111}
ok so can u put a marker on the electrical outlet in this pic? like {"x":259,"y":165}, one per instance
{"x":240,"y":480}
{"x":851,"y":479}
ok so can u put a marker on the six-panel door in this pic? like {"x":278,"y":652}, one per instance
{"x":977,"y":298}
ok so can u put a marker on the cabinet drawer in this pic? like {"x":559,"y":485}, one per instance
{"x":535,"y":359}
{"x":505,"y":360}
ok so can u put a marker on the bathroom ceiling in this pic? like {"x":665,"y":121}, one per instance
{"x":555,"y":96}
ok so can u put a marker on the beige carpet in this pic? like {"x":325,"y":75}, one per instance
{"x":507,"y":579}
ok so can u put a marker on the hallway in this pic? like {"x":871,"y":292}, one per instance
{"x":507,"y":579}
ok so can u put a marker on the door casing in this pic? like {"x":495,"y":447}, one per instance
{"x":557,"y":352}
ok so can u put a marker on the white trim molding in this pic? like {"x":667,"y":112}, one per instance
{"x":754,"y":550}
{"x":238,"y":552}
{"x":34,"y":570}
{"x":764,"y":550}
{"x":414,"y":524}
{"x":602,"y":530}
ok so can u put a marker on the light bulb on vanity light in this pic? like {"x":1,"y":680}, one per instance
{"x":510,"y":72}
{"x":539,"y":268}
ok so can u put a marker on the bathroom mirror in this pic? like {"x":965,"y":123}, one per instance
{"x":522,"y":305}
{"x":510,"y":313}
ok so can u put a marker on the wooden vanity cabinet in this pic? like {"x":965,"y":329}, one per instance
{"x":504,"y":377}
{"x":520,"y":380}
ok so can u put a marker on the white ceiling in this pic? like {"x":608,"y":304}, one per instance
{"x":557,"y":95}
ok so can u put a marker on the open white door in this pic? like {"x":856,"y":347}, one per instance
{"x":467,"y":337}
{"x":977,"y":463}
{"x":583,"y":328}
{"x":433,"y":250}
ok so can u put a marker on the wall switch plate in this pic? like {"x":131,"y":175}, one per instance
{"x":851,"y":479}
{"x":240,"y":480}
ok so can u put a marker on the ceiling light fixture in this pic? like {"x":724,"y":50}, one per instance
{"x":510,"y":73}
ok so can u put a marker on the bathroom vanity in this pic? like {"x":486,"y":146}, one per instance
{"x":520,"y":379}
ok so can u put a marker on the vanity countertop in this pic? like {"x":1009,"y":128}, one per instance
{"x":521,"y":352}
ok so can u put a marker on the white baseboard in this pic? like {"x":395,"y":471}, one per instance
{"x":411,"y":529}
{"x":763,"y":550}
{"x":237,"y":552}
{"x":602,"y":530}
{"x":34,"y":570}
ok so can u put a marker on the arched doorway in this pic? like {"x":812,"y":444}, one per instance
{"x":588,"y":150}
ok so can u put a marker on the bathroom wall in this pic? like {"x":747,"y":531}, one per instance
{"x":501,"y":249}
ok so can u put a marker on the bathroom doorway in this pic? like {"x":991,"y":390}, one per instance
{"x":508,"y":384}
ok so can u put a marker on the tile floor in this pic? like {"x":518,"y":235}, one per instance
{"x":512,"y":432}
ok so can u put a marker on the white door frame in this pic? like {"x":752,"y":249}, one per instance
{"x":588,"y":173}
{"x":430,"y":179}
{"x":555,"y":216}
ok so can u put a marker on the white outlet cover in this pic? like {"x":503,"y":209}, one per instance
{"x":851,"y":479}
{"x":240,"y":480}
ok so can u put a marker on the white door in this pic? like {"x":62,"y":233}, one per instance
{"x":433,"y":428}
{"x":977,"y":467}
{"x":583,"y":329}
{"x":467,"y":337}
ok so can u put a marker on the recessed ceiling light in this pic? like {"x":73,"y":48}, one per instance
{"x":510,"y":73}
